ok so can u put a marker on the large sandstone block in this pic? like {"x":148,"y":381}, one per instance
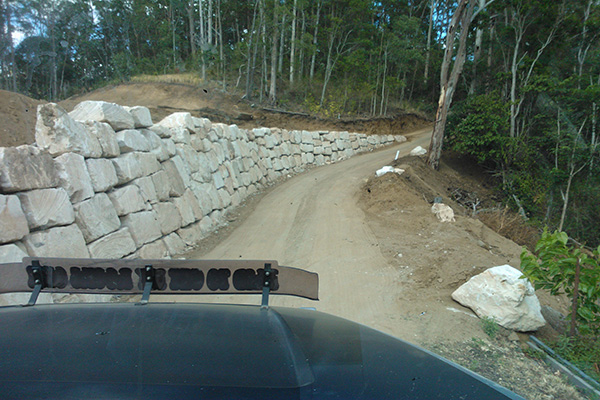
{"x":147,"y":189}
{"x":181,"y":135}
{"x":143,"y":226}
{"x":96,"y":217}
{"x":102,"y":174}
{"x":168,"y":216}
{"x":499,"y":293}
{"x":127,"y":199}
{"x":115,"y":245}
{"x":106,"y":137}
{"x":63,"y":241}
{"x":141,"y":116}
{"x":132,"y":140}
{"x":191,"y":234}
{"x":127,"y":167}
{"x":178,"y":176}
{"x":58,"y":133}
{"x":161,"y":184}
{"x":11,"y":253}
{"x":148,"y":163}
{"x":161,"y":131}
{"x":13,"y":223}
{"x":157,"y":146}
{"x":189,"y":157}
{"x":74,"y":177}
{"x":188,"y":207}
{"x":178,"y":120}
{"x":102,"y":111}
{"x":174,"y":244}
{"x":25,"y":168}
{"x":45,"y":208}
{"x":153,"y":251}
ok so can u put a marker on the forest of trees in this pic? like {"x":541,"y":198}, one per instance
{"x":518,"y":81}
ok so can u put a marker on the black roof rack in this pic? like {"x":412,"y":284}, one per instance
{"x":104,"y":276}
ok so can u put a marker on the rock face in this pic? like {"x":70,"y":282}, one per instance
{"x":499,"y":293}
{"x":57,"y":242}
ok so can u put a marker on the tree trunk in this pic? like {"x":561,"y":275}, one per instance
{"x":314,"y":55}
{"x":383,"y":81}
{"x":221,"y":54}
{"x":281,"y":45}
{"x":273,"y":87}
{"x":209,"y":27}
{"x":328,"y":68}
{"x":190,"y":12}
{"x":428,"y":48}
{"x":202,"y":38}
{"x":293,"y":43}
{"x":448,"y":80}
{"x":251,"y":54}
{"x":476,"y":54}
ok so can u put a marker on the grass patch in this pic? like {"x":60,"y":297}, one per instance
{"x":582,"y":351}
{"x":189,"y":78}
{"x":490,"y":327}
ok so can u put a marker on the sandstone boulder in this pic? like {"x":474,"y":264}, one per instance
{"x":499,"y":293}
{"x":178,"y":120}
{"x":143,"y":226}
{"x":443,"y":212}
{"x":115,"y":245}
{"x":418,"y":151}
{"x":58,"y":133}
{"x":141,"y":116}
{"x":127,"y":199}
{"x":102,"y":174}
{"x":11,"y":253}
{"x":26,"y":168}
{"x":153,"y":251}
{"x":132,"y":140}
{"x":74,"y":177}
{"x":63,"y":241}
{"x":45,"y":208}
{"x":127,"y":167}
{"x":102,"y":111}
{"x":168,"y":216}
{"x":96,"y":217}
{"x":106,"y":137}
{"x":174,"y":244}
{"x":13,"y":223}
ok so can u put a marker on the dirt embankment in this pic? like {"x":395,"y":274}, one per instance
{"x":18,"y":112}
{"x":17,"y":116}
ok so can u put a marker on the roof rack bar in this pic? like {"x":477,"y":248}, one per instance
{"x":38,"y":280}
{"x":150,"y":278}
{"x":266,"y":286}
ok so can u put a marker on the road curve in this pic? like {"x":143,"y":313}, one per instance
{"x":312,"y":221}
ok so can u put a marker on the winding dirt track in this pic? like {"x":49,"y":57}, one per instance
{"x":312,"y":221}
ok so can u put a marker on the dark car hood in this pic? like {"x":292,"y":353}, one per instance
{"x":179,"y":351}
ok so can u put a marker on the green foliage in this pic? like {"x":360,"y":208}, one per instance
{"x":490,"y":327}
{"x":534,"y":353}
{"x":479,"y":127}
{"x":583,"y":352}
{"x":554,"y":268}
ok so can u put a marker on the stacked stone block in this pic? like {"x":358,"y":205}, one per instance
{"x":104,"y":181}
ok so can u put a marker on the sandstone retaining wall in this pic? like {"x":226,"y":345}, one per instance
{"x":104,"y":181}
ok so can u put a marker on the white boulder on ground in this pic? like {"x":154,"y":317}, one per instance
{"x":388,"y":168}
{"x":499,"y":293}
{"x":443,"y":212}
{"x":418,"y":151}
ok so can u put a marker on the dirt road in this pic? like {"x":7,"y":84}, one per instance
{"x":313,"y":221}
